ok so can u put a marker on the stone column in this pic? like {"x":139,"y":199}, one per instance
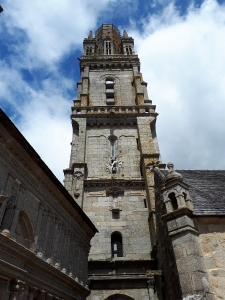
{"x":151,"y":289}
{"x":16,"y":288}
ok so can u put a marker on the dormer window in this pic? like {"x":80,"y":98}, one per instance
{"x":88,"y":50}
{"x":108,"y":47}
{"x":128,"y":50}
{"x":109,"y":89}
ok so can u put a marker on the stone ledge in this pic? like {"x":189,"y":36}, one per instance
{"x":120,"y":182}
{"x":183,"y":211}
{"x":29,"y":258}
{"x":122,"y":264}
{"x":118,"y":277}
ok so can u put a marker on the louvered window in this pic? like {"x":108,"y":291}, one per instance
{"x":108,"y":47}
{"x":109,"y":88}
{"x":117,"y":245}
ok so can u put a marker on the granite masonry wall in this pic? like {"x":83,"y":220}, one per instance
{"x":212,"y":243}
{"x":123,"y":87}
{"x":45,"y":236}
{"x":131,"y":222}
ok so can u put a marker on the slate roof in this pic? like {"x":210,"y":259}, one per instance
{"x":207,"y":190}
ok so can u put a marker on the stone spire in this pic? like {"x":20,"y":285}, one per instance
{"x":90,"y":36}
{"x":125,"y":35}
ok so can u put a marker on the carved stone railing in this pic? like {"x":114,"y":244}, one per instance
{"x":96,"y":110}
{"x":102,"y":57}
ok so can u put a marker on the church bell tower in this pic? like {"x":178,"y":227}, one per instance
{"x":114,"y":147}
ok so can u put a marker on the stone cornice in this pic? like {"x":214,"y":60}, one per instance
{"x":117,"y":277}
{"x":26,"y":258}
{"x":135,"y":110}
{"x":109,"y":58}
{"x":119,"y":263}
{"x":115,"y":182}
{"x":75,"y":165}
{"x":183,"y":211}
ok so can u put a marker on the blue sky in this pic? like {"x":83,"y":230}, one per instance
{"x":181,"y":47}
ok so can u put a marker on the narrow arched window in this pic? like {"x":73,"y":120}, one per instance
{"x":109,"y":88}
{"x":112,"y":139}
{"x":116,"y":244}
{"x":173,"y":201}
{"x":87,"y":50}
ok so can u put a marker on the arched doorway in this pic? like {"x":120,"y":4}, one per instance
{"x":119,"y":297}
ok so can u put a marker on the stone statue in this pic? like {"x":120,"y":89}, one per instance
{"x":90,"y":36}
{"x":113,"y":165}
{"x":125,"y":35}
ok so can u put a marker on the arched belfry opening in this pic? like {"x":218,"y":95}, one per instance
{"x":119,"y":297}
{"x":116,"y":244}
{"x":173,"y":201}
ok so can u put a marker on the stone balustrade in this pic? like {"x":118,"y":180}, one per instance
{"x":93,"y":110}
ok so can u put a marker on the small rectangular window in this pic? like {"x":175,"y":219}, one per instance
{"x":145,"y":203}
{"x":137,"y":144}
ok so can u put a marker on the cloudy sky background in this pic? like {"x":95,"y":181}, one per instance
{"x":181,"y":46}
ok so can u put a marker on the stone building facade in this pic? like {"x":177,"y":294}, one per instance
{"x":158,"y":234}
{"x":45,"y":236}
{"x":161,"y":233}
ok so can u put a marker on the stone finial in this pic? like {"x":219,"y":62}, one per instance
{"x":172,"y":174}
{"x":49,"y":261}
{"x":6,"y":233}
{"x":40,"y":255}
{"x":64,"y":270}
{"x":125,"y":35}
{"x":70,"y":274}
{"x":90,"y":36}
{"x":57,"y":266}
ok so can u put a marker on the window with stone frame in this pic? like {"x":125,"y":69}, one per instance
{"x":88,"y":50}
{"x":109,"y":89}
{"x":112,"y":139}
{"x":173,"y":201}
{"x":108,"y":49}
{"x":116,"y":245}
{"x":128,"y":50}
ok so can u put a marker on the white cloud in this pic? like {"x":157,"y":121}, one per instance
{"x":44,"y":31}
{"x":183,"y":60}
{"x":41,"y":116}
{"x":53,"y":27}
